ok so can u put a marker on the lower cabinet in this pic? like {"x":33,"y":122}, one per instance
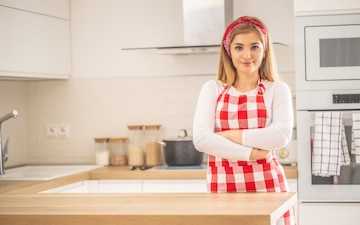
{"x":293,"y":188}
{"x":328,"y":213}
{"x":174,"y":186}
{"x":133,"y":186}
{"x":292,"y":185}
{"x":140,"y":186}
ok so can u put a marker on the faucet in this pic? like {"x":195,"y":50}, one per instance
{"x":4,"y":151}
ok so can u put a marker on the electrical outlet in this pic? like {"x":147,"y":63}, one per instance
{"x":63,"y":131}
{"x":51,"y":131}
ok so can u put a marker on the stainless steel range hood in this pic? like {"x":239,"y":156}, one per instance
{"x":204,"y":24}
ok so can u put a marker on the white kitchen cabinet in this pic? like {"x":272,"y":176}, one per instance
{"x":99,"y":186}
{"x":292,"y":185}
{"x":293,"y":188}
{"x":328,"y":213}
{"x":133,"y":186}
{"x":56,"y":8}
{"x":325,"y":7}
{"x":33,"y":45}
{"x":174,"y":186}
{"x":119,"y":186}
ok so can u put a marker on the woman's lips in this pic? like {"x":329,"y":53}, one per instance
{"x":246,"y":63}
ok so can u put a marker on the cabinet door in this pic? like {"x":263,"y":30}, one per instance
{"x":119,"y":186}
{"x":57,"y":8}
{"x":292,"y":185}
{"x":33,"y":45}
{"x":293,"y":188}
{"x":328,"y":213}
{"x":174,"y":186}
{"x":323,"y":7}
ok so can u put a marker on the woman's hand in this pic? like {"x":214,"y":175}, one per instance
{"x":232,"y":135}
{"x":259,"y":154}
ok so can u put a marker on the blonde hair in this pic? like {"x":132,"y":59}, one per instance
{"x":267,"y":71}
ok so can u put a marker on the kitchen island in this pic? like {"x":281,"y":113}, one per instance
{"x":23,"y":205}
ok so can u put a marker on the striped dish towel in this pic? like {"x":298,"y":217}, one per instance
{"x":355,"y":145}
{"x":330,"y":149}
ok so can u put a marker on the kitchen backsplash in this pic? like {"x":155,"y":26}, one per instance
{"x":95,"y":107}
{"x":13,"y":96}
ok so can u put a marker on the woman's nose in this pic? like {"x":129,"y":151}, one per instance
{"x":247,"y":54}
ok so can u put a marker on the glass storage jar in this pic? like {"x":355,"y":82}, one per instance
{"x":136,"y":157}
{"x":152,"y":147}
{"x":102,"y":153}
{"x":118,"y":151}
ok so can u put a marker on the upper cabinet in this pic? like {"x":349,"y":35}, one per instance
{"x":325,"y":7}
{"x":55,"y":8}
{"x":35,"y":39}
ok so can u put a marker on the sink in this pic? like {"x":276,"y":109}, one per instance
{"x":44,"y":172}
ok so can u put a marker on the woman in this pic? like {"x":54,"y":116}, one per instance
{"x":244,"y":115}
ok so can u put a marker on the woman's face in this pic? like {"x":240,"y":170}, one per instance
{"x":247,"y":53}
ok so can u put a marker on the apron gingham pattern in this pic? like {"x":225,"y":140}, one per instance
{"x":265,"y":175}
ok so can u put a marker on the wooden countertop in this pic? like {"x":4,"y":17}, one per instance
{"x":21,"y":204}
{"x":150,"y":209}
{"x":125,"y":173}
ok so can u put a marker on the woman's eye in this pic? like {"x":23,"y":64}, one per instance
{"x":238,"y":47}
{"x":255,"y":47}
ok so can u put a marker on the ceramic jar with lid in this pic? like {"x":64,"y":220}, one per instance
{"x":118,"y":151}
{"x":152,"y":146}
{"x":102,"y":153}
{"x":136,"y":156}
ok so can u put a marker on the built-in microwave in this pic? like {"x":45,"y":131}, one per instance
{"x":327,"y":52}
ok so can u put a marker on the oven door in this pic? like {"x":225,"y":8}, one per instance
{"x":313,"y":188}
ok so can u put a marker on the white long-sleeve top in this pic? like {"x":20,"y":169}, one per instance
{"x":276,"y":134}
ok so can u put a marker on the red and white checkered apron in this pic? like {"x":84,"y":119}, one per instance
{"x":265,"y":175}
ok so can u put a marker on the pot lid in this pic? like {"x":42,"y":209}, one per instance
{"x":182,"y":136}
{"x":187,"y":138}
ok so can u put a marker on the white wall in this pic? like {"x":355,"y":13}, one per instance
{"x":100,"y":29}
{"x":97,"y":107}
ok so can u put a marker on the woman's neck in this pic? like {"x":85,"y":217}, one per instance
{"x":246,"y":83}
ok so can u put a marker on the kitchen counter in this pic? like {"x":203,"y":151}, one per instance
{"x":21,"y":204}
{"x":150,"y":209}
{"x":125,"y":173}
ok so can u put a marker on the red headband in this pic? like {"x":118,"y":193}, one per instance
{"x":233,"y":25}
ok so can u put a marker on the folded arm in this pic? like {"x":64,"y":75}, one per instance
{"x":278,"y":134}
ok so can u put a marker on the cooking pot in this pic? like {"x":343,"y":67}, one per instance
{"x":181,"y":151}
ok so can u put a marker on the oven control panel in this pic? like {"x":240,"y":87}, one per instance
{"x":346,"y":98}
